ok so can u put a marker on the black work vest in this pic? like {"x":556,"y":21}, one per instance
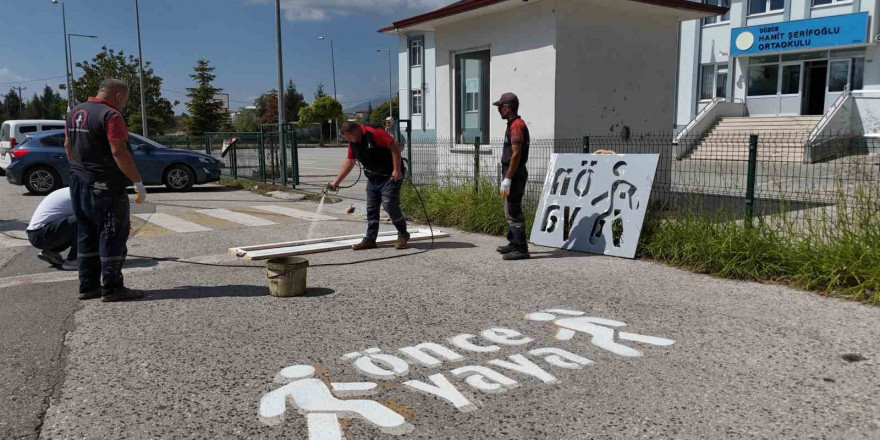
{"x":507,"y":152}
{"x":377,"y":161}
{"x":91,"y":159}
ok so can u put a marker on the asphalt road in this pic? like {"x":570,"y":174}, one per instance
{"x":195,"y":358}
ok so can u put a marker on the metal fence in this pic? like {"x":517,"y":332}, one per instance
{"x":257,"y":155}
{"x":731,"y":172}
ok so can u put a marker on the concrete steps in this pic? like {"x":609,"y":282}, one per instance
{"x":780,"y":138}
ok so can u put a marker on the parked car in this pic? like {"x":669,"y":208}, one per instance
{"x":14,"y":132}
{"x":40,"y":164}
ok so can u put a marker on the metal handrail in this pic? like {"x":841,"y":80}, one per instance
{"x":700,"y":116}
{"x":826,"y":118}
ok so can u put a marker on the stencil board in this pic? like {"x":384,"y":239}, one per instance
{"x":595,"y":203}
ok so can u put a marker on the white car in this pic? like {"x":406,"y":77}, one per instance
{"x":14,"y":132}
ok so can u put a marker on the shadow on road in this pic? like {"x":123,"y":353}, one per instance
{"x":232,"y":291}
{"x":561,"y":254}
{"x":442,"y":245}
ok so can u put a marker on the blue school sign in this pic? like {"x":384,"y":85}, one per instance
{"x":839,"y":30}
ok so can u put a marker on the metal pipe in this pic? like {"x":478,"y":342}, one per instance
{"x":68,"y":63}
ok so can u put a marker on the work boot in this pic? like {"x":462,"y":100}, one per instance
{"x":122,"y":294}
{"x":506,"y":249}
{"x":517,"y":254}
{"x":402,"y":239}
{"x":53,"y":258}
{"x":364,"y":245}
{"x":94,"y":292}
{"x":70,"y":265}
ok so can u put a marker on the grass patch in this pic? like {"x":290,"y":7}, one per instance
{"x":461,"y":207}
{"x":835,"y":252}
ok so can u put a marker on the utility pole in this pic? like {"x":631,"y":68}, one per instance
{"x":20,"y":101}
{"x":67,"y":57}
{"x":281,"y":119}
{"x":390,"y":87}
{"x":137,"y":18}
{"x":333,"y":68}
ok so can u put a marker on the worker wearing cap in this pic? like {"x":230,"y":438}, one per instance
{"x":513,"y":166}
{"x":101,"y":168}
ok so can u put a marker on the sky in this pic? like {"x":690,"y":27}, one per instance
{"x":236,"y":36}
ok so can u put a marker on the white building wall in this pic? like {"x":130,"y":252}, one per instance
{"x":523,"y":61}
{"x":687,"y":72}
{"x":616,"y":68}
{"x":402,"y":75}
{"x":410,"y":78}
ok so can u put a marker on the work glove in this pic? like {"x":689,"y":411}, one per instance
{"x":140,"y":193}
{"x":505,"y":187}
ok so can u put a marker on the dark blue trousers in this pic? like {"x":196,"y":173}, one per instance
{"x":383,"y":192}
{"x":103,"y":225}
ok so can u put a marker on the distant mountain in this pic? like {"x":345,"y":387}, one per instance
{"x":364,"y":105}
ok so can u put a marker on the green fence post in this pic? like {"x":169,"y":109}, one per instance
{"x":750,"y":179}
{"x":207,"y":145}
{"x":409,"y":148}
{"x":477,"y":164}
{"x":234,"y":154}
{"x":294,"y":154}
{"x":283,"y":149}
{"x":586,"y":144}
{"x":261,"y":155}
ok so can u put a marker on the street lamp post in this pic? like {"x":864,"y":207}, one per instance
{"x":333,"y":68}
{"x":137,"y":19}
{"x":390,"y":87}
{"x":70,"y":55}
{"x":281,"y":119}
{"x":66,"y":56}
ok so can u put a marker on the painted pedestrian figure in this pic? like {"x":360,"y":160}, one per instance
{"x":611,"y":222}
{"x":601,"y":330}
{"x":314,"y":399}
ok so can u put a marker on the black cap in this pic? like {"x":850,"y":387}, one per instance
{"x":507,"y":99}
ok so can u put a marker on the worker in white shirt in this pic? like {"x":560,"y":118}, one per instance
{"x":53,"y":230}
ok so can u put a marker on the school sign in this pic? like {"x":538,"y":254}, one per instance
{"x":801,"y":35}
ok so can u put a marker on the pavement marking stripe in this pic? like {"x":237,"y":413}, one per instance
{"x":172,"y":223}
{"x":295,"y":213}
{"x":235,"y":217}
{"x":8,"y":242}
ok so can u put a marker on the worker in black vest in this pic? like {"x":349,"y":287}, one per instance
{"x":101,"y":168}
{"x":513,"y":167}
{"x":379,"y":154}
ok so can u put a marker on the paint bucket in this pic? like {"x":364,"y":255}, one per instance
{"x":287,"y":276}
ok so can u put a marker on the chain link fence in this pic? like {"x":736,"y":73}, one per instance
{"x":734,"y":172}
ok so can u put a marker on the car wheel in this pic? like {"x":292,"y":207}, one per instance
{"x":180,"y":178}
{"x":41,"y":180}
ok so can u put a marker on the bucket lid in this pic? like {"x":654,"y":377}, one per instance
{"x":291,"y":262}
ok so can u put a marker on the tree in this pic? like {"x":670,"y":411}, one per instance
{"x":377,"y":117}
{"x":111,"y":64}
{"x":34,"y":108}
{"x":267,"y":107}
{"x":320,"y":92}
{"x":369,"y":112}
{"x":54,"y":106}
{"x":207,"y":113}
{"x":293,"y":101}
{"x":321,"y":111}
{"x":12,"y":103}
{"x":246,"y":121}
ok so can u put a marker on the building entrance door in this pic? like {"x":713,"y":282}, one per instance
{"x":815,"y":82}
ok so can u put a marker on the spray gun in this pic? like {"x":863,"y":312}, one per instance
{"x":329,"y":188}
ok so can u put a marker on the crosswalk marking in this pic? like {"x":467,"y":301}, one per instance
{"x":295,"y":213}
{"x":235,"y":217}
{"x":8,"y":242}
{"x":172,"y":223}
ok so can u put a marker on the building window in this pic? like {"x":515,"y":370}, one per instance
{"x":762,"y":6}
{"x":713,"y":81}
{"x":472,"y":95}
{"x":838,"y":75}
{"x":721,"y":18}
{"x":763,"y":79}
{"x":858,"y":74}
{"x":415,"y":53}
{"x":416,"y":102}
{"x":828,"y":2}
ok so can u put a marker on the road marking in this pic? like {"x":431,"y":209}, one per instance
{"x":295,"y":213}
{"x":172,"y":223}
{"x":8,"y":242}
{"x":235,"y":217}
